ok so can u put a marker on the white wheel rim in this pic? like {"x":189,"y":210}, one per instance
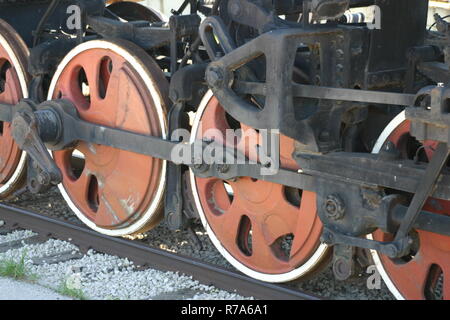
{"x":24,"y":87}
{"x":308,"y":266}
{"x":151,"y":85}
{"x":376,"y":257}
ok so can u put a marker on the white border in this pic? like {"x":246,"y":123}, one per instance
{"x":397,"y":121}
{"x":24,"y":86}
{"x":273,"y":278}
{"x":151,"y":85}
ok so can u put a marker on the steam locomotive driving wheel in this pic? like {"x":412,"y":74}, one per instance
{"x":265,"y":230}
{"x":13,"y":87}
{"x":115,"y":84}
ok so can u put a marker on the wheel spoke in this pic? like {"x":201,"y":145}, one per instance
{"x":122,"y":90}
{"x":230,"y":221}
{"x":8,"y":95}
{"x":80,"y":187}
{"x":262,"y":251}
{"x":92,"y":70}
{"x":278,"y":223}
{"x":118,"y":86}
{"x":417,"y":278}
{"x":305,"y":224}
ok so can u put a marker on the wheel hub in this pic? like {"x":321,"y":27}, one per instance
{"x":256,"y":194}
{"x":103,"y":158}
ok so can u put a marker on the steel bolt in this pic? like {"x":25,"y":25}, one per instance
{"x":391,"y":251}
{"x":223,"y":168}
{"x":334,"y":207}
{"x":201,"y":167}
{"x":44,"y":178}
{"x":215,"y":76}
{"x":341,"y":269}
{"x":327,"y":238}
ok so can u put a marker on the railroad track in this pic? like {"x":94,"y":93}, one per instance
{"x":146,"y":256}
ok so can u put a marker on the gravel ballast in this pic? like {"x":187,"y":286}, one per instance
{"x":104,"y":277}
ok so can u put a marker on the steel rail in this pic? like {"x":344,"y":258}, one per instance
{"x":144,"y":255}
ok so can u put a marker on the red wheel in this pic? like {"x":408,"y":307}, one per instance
{"x":267,"y":231}
{"x":13,"y":87}
{"x":425,"y":273}
{"x":118,"y":85}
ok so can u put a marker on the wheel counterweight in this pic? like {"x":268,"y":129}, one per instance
{"x":115,"y":84}
{"x":133,"y":11}
{"x":268,"y":231}
{"x":13,"y":87}
{"x":425,"y":272}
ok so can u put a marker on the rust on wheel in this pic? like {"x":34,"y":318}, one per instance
{"x":115,"y":84}
{"x":267,"y":231}
{"x":425,"y":272}
{"x":13,"y":87}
